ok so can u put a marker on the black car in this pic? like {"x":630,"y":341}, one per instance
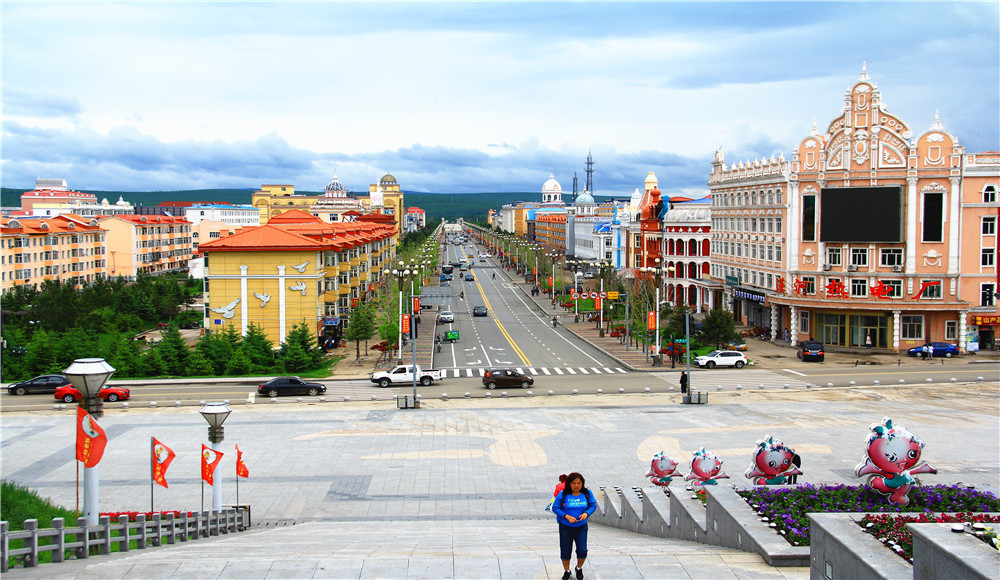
{"x":190,"y":325}
{"x":479,"y":311}
{"x":810,"y":350}
{"x":470,"y":278}
{"x":506,"y":378}
{"x":290,"y":386}
{"x":43,"y":384}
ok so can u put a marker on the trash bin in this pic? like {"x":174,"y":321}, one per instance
{"x":404,"y":402}
{"x":696,"y":399}
{"x":657,"y":360}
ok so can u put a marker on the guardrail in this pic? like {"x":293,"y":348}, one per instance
{"x":100,"y":538}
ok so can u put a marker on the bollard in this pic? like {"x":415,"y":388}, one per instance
{"x":322,"y":399}
{"x":929,"y":380}
{"x":551,"y":393}
{"x":202,"y":403}
{"x":298,"y":399}
{"x":374,"y":397}
{"x":600,"y":391}
{"x":670,"y":388}
{"x":177,"y":403}
{"x":852,"y":383}
{"x":829,"y":384}
{"x":575,"y":392}
{"x":718,"y":387}
{"x":785,"y":385}
{"x":648,"y":390}
{"x":152,"y":403}
{"x":503,"y":394}
{"x":621,"y":390}
{"x":489,"y":395}
{"x":902,"y":382}
{"x":876,"y":382}
{"x":444,"y":396}
{"x":954,"y":380}
{"x":125,"y":405}
{"x":979,"y":379}
{"x":467,"y":395}
{"x":529,"y":394}
{"x":739,"y":387}
{"x":346,"y":399}
{"x":273,"y":400}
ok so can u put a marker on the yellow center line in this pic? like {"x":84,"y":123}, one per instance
{"x":503,"y":330}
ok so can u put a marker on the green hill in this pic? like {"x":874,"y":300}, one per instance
{"x":437,"y":205}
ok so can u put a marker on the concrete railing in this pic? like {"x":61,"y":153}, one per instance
{"x":100,"y":538}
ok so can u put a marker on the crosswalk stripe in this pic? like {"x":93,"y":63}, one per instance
{"x":533,"y":371}
{"x":468,"y":372}
{"x":546,"y":371}
{"x":458,"y":373}
{"x":571,"y":371}
{"x":558,"y":371}
{"x":609,"y":371}
{"x":464,"y":372}
{"x":622,"y":371}
{"x":482,"y":372}
{"x":596,"y":371}
{"x":584,"y":371}
{"x":519,"y":371}
{"x":729,"y":379}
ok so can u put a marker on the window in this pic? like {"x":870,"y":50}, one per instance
{"x":951,"y":330}
{"x":214,"y":235}
{"x":833,"y":256}
{"x":987,"y":294}
{"x":777,"y":225}
{"x":777,"y":253}
{"x":990,"y":194}
{"x":859,"y":287}
{"x":894,"y":287}
{"x":987,"y":258}
{"x":804,"y":322}
{"x":891,"y":257}
{"x":931,"y":290}
{"x":933,"y":216}
{"x":859,"y":257}
{"x":989,"y":225}
{"x":777,"y":196}
{"x":808,"y":218}
{"x":913,"y":326}
{"x":770,"y":253}
{"x":770,"y":225}
{"x":753,"y":251}
{"x":753,"y":225}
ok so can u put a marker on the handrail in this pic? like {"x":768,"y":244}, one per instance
{"x":99,"y":538}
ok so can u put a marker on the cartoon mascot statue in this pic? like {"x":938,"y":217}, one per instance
{"x":662,"y":469}
{"x":705,"y":468}
{"x":893,"y":457}
{"x":772,"y":463}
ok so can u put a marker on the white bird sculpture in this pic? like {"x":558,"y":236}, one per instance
{"x":300,"y":286}
{"x":264,"y":298}
{"x":302,"y":267}
{"x":227,"y":311}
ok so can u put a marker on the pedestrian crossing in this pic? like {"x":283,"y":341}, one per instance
{"x":731,"y":379}
{"x":458,"y":373}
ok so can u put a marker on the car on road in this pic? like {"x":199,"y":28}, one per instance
{"x":40,"y":384}
{"x":484,"y":255}
{"x":470,"y":278}
{"x":811,"y":350}
{"x":463,"y":268}
{"x":290,"y":386}
{"x":190,"y":325}
{"x":494,"y":378}
{"x":446,"y":316}
{"x":721,"y":358}
{"x":479,"y":311}
{"x":70,"y":394}
{"x":739,"y":345}
{"x":940,"y":349}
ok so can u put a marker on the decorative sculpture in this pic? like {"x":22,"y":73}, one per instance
{"x":264,"y":298}
{"x":662,"y":469}
{"x":706,"y":467}
{"x":227,"y":311}
{"x":892,"y":458}
{"x":772,"y":462}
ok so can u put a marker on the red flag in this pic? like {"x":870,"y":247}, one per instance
{"x":162,"y":456}
{"x":90,"y":439}
{"x":241,"y":468}
{"x":209,"y":459}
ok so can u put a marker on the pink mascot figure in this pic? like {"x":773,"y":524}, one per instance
{"x":772,"y":462}
{"x":705,"y":468}
{"x":662,"y":469}
{"x":893,"y":457}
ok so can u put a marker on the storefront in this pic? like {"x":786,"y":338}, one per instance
{"x":751,"y":304}
{"x":852,"y":328}
{"x":984,"y":331}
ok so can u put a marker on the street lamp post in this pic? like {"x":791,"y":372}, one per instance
{"x":216,"y":414}
{"x":89,"y":375}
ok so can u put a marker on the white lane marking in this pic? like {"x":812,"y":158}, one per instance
{"x":486,"y":354}
{"x":519,"y":371}
{"x":534,"y":312}
{"x":546,"y":371}
{"x":622,"y":371}
{"x":571,"y":371}
{"x":609,"y":371}
{"x":795,"y":373}
{"x":583,"y":370}
{"x":533,"y":371}
{"x":596,"y":371}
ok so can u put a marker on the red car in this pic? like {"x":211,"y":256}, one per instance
{"x":69,"y":394}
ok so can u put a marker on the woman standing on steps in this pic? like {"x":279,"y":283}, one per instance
{"x":572,"y":506}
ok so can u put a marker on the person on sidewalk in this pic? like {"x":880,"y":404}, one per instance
{"x":561,"y":485}
{"x":684,"y":383}
{"x":868,"y":343}
{"x":572,"y":507}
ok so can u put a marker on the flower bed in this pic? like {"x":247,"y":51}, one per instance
{"x":149,"y":515}
{"x":891,"y":530}
{"x":786,"y":507}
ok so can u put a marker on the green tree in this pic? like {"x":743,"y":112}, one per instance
{"x":40,"y":358}
{"x":173,"y":350}
{"x":361,"y":327}
{"x":239,"y":364}
{"x":198,"y":366}
{"x":258,"y":348}
{"x":305,"y":343}
{"x":152,"y":363}
{"x":126,"y":357}
{"x":718,"y":327}
{"x":295,"y":359}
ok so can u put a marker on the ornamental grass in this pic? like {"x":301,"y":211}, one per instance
{"x":784,"y":509}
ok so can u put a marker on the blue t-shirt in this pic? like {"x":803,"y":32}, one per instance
{"x":575,"y":506}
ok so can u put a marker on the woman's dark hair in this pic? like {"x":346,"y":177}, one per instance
{"x":562,"y":478}
{"x":570,"y":479}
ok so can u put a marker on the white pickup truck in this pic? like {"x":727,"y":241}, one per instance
{"x":403,"y":374}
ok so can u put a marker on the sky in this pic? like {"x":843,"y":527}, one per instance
{"x":466,"y":97}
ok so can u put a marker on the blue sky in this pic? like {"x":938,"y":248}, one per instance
{"x":459,"y":97}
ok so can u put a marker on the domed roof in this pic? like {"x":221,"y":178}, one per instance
{"x":551,"y":185}
{"x":387,"y":178}
{"x":584,"y":198}
{"x":651,"y":181}
{"x":335,"y":186}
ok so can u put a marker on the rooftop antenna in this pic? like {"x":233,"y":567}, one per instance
{"x":590,"y":174}
{"x":574,"y":188}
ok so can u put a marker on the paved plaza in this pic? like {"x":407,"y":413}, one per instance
{"x":482,"y":470}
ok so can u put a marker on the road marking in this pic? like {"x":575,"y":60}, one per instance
{"x":571,"y":371}
{"x":622,"y":371}
{"x":468,"y":372}
{"x":609,"y":371}
{"x":558,"y":371}
{"x":795,"y":373}
{"x":596,"y":371}
{"x":482,"y":372}
{"x":583,"y":370}
{"x":503,"y":330}
{"x":546,"y":371}
{"x":533,"y":371}
{"x":519,"y":371}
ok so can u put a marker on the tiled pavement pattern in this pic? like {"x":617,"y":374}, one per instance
{"x":489,"y":549}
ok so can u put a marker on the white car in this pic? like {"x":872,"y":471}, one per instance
{"x":484,"y":255}
{"x":446,"y":316}
{"x":722,"y":358}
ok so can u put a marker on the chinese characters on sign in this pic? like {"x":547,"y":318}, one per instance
{"x":836,"y":289}
{"x":923,"y":287}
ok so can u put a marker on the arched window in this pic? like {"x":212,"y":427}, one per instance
{"x":777,"y":196}
{"x":753,"y":198}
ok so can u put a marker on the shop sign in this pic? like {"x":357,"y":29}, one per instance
{"x":345,"y":310}
{"x":612,"y":296}
{"x":987,"y":320}
{"x":749,"y":295}
{"x":331,"y":320}
{"x":732,"y":281}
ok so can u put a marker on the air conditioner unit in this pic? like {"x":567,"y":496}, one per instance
{"x":897,"y":268}
{"x":827,"y":267}
{"x":852,"y":268}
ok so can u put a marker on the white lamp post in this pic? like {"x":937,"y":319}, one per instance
{"x":89,"y":375}
{"x":216,"y":414}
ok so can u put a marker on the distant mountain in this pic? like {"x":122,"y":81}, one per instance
{"x":437,"y":204}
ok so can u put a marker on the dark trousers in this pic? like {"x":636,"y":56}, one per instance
{"x":568,"y":535}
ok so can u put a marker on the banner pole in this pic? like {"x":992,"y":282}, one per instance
{"x":152,"y":464}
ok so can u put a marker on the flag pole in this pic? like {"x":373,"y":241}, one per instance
{"x":152,"y":466}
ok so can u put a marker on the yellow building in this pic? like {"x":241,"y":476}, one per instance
{"x":386,"y":198}
{"x":64,"y":247}
{"x":295,"y":269}
{"x":146,"y":244}
{"x":335,"y":204}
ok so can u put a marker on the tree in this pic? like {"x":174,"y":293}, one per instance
{"x":152,"y":364}
{"x":361,"y":327}
{"x":173,"y":350}
{"x":301,"y":338}
{"x":718,"y":327}
{"x":198,"y":366}
{"x":258,"y":348}
{"x":240,"y":364}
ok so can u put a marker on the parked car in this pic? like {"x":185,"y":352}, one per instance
{"x":290,"y":386}
{"x":810,"y":350}
{"x":484,"y":255}
{"x":588,"y":275}
{"x":192,"y":324}
{"x":721,"y":358}
{"x":479,"y":311}
{"x":470,"y":278}
{"x":739,"y":345}
{"x":40,"y":384}
{"x":446,"y":316}
{"x":940,"y":349}
{"x":70,"y":394}
{"x":506,"y":378}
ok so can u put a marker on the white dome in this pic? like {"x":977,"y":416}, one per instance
{"x":584,"y":198}
{"x":551,"y":186}
{"x":335,"y":188}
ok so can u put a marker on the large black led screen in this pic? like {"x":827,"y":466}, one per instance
{"x":861,"y":214}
